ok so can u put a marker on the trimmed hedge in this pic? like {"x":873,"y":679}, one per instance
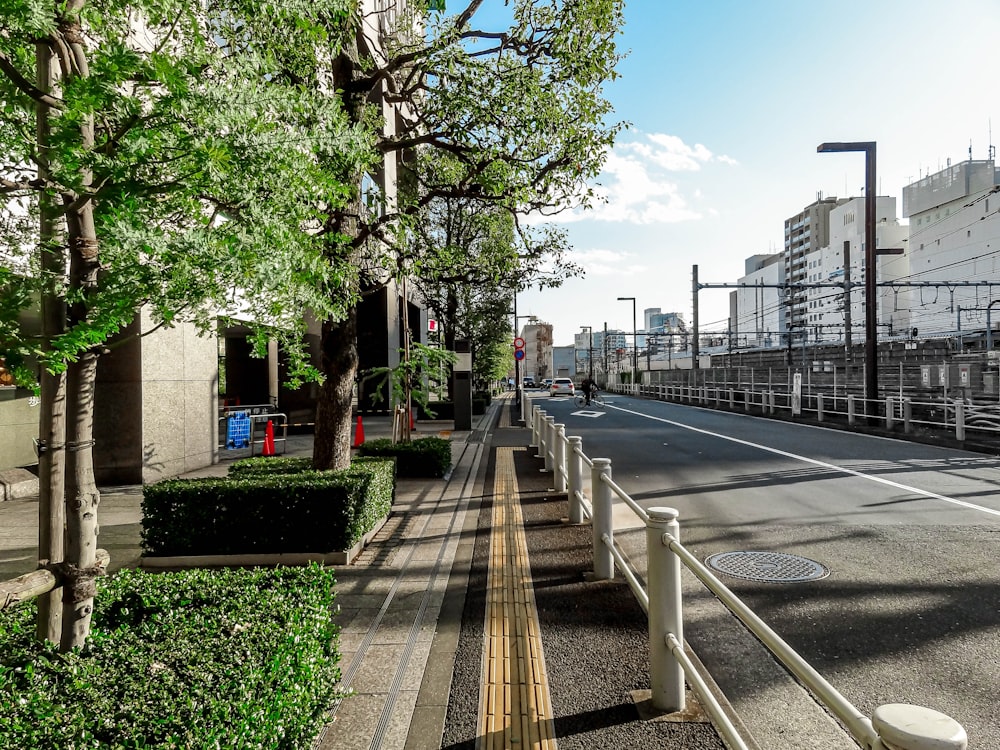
{"x":259,"y":465}
{"x":267,"y":513}
{"x":225,"y":659}
{"x":423,"y":457}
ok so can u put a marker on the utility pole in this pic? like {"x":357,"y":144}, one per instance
{"x":694,"y":317}
{"x":848,"y":343}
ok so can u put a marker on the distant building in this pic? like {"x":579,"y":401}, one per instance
{"x":537,"y":360}
{"x":954,"y":236}
{"x":805,"y":232}
{"x":759,"y":318}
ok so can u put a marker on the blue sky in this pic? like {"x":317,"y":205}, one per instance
{"x":727,"y":102}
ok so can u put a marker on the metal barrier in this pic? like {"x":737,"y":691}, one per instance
{"x":244,"y":428}
{"x":891,"y":727}
{"x":958,"y":416}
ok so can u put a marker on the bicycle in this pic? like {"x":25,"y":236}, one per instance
{"x":581,"y":400}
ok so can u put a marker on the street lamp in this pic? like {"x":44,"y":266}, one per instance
{"x":635,"y":340}
{"x":871,"y":331}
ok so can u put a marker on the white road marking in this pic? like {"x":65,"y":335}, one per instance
{"x":817,"y":462}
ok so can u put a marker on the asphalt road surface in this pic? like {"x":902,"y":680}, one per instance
{"x":909,"y":534}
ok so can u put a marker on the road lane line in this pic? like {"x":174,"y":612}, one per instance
{"x":816,"y":462}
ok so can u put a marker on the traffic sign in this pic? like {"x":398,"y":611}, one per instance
{"x":519,"y":354}
{"x":518,"y":343}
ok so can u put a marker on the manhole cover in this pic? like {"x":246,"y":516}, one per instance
{"x":770,"y":567}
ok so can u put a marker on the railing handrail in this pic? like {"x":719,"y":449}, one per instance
{"x":940,"y":730}
{"x":625,"y":498}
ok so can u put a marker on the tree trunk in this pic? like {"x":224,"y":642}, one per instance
{"x":339,"y":351}
{"x":82,"y":498}
{"x":52,"y":415}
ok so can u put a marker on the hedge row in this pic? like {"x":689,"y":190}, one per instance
{"x":198,"y":659}
{"x":259,"y":512}
{"x":424,"y":457}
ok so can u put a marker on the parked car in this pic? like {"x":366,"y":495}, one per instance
{"x":561,"y":387}
{"x":546,"y":383}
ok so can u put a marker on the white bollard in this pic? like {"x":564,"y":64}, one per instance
{"x":907,"y":415}
{"x":604,"y":563}
{"x":904,"y":727}
{"x":851,"y":411}
{"x":960,"y":420}
{"x":732,"y":398}
{"x":548,"y":440}
{"x":889,"y":413}
{"x":819,"y":407}
{"x":746,"y":400}
{"x":560,"y":457}
{"x":535,"y":418}
{"x":574,"y":478}
{"x":666,"y":676}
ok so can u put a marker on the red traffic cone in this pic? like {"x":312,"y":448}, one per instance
{"x":268,"y":440}
{"x":359,"y":433}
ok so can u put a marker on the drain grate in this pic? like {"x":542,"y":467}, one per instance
{"x":769,"y":567}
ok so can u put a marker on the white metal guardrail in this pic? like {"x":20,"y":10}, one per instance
{"x":963,"y":418}
{"x":893,"y":726}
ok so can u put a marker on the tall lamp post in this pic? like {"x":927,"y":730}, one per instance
{"x":635,"y":340}
{"x":871,"y":304}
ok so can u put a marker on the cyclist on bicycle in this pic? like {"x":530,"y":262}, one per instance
{"x":589,"y":388}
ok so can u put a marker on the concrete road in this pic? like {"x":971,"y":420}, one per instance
{"x":909,"y":533}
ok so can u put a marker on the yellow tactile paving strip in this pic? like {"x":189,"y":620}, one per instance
{"x":515,"y":710}
{"x":505,"y":411}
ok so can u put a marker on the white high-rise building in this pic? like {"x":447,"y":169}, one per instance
{"x":954,"y":237}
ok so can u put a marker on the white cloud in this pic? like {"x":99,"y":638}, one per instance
{"x":638,"y":185}
{"x":602,"y":262}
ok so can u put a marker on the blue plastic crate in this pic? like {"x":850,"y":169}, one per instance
{"x":237,"y":430}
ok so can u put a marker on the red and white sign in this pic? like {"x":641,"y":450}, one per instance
{"x":432,"y":325}
{"x":518,"y":343}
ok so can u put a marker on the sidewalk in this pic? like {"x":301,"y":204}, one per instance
{"x":429,"y":648}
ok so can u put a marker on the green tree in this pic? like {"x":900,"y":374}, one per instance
{"x":468,"y":257}
{"x":514,"y":117}
{"x":180,"y":164}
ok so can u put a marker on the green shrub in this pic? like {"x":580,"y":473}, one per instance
{"x":423,"y":457}
{"x":274,"y":465}
{"x":222,"y":659}
{"x":268,"y":513}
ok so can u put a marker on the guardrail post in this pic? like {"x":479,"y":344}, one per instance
{"x":604,"y":563}
{"x":907,"y":415}
{"x":851,"y":411}
{"x":535,"y":430}
{"x":666,"y":676}
{"x":901,"y":726}
{"x":560,"y":456}
{"x":732,"y":398}
{"x":819,"y":407}
{"x":548,"y":440}
{"x":889,"y":413}
{"x":960,"y":420}
{"x":746,"y":400}
{"x":770,"y":402}
{"x":574,"y":478}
